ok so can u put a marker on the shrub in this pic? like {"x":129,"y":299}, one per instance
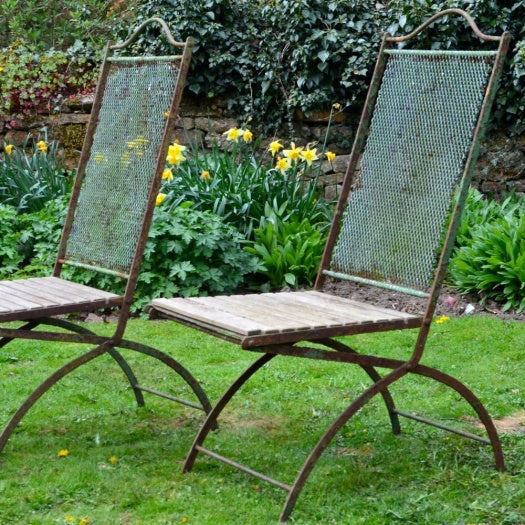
{"x":10,"y":256}
{"x":188,"y":252}
{"x":290,"y":249}
{"x":490,"y":257}
{"x":29,"y":180}
{"x":34,"y":81}
{"x":59,"y":23}
{"x":237,"y":185}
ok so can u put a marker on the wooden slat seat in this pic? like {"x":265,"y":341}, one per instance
{"x":269,"y":318}
{"x":45,"y":296}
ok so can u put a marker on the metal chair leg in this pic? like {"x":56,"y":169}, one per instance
{"x":124,"y":365}
{"x":217,"y":409}
{"x":327,"y":437}
{"x":474,"y":402}
{"x":374,"y":375}
{"x":45,"y":386}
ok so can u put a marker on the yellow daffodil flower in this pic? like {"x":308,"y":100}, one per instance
{"x":283,"y":164}
{"x":167,"y":174}
{"x":442,"y":319}
{"x":330,"y":156}
{"x":176,"y":148}
{"x":233,"y":134}
{"x":205,"y":175}
{"x":175,"y":159}
{"x":42,"y":146}
{"x":293,"y":153}
{"x":9,"y":149}
{"x":275,"y":147}
{"x":160,"y":199}
{"x":63,"y":453}
{"x":247,"y":136}
{"x":309,"y":155}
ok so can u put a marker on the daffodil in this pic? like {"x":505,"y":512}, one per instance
{"x":205,"y":175}
{"x":275,"y":147}
{"x":247,"y":136}
{"x":9,"y":149}
{"x":283,"y":164}
{"x":293,"y":153}
{"x":233,"y":134}
{"x":442,"y":319}
{"x":160,"y":199}
{"x":330,"y":156}
{"x":167,"y":174}
{"x":63,"y":453}
{"x":176,"y":148}
{"x":42,"y":146}
{"x":309,"y":155}
{"x":175,"y":155}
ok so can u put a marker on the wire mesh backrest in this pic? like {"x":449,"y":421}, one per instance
{"x":122,"y":163}
{"x":419,"y":138}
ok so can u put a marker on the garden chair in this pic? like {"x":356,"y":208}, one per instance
{"x":109,"y":215}
{"x":394,"y":227}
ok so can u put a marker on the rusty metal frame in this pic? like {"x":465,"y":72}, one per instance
{"x":79,"y":334}
{"x":285,"y":344}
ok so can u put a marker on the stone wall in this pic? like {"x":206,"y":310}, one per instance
{"x":500,"y":168}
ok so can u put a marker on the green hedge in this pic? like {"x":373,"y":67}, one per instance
{"x":268,"y":58}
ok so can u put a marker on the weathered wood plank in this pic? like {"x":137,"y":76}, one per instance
{"x":234,"y":304}
{"x":209,"y":314}
{"x":33,"y":292}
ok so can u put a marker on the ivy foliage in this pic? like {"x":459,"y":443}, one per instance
{"x":269,"y":58}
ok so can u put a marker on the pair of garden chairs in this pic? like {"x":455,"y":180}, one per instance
{"x":394,"y":227}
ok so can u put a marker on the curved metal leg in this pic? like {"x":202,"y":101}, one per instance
{"x":45,"y":386}
{"x":327,"y":437}
{"x":374,"y":375}
{"x":474,"y":402}
{"x":217,"y":409}
{"x":174,"y":365}
{"x":132,"y":379}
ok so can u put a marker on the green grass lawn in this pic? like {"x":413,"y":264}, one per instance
{"x":124,"y":463}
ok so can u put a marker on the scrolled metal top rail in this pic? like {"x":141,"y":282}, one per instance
{"x":432,"y":19}
{"x":141,"y":27}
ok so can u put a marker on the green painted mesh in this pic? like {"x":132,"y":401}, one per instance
{"x":122,"y":163}
{"x":420,"y":134}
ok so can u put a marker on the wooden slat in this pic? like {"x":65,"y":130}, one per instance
{"x":35,"y":293}
{"x":235,"y":304}
{"x":278,"y":313}
{"x":18,"y":303}
{"x":209,"y":314}
{"x":79,"y":290}
{"x":29,"y":298}
{"x":335,"y":299}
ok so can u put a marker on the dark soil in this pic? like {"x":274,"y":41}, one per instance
{"x":450,"y":302}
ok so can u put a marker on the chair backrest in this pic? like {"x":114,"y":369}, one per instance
{"x":122,"y":159}
{"x":414,"y":153}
